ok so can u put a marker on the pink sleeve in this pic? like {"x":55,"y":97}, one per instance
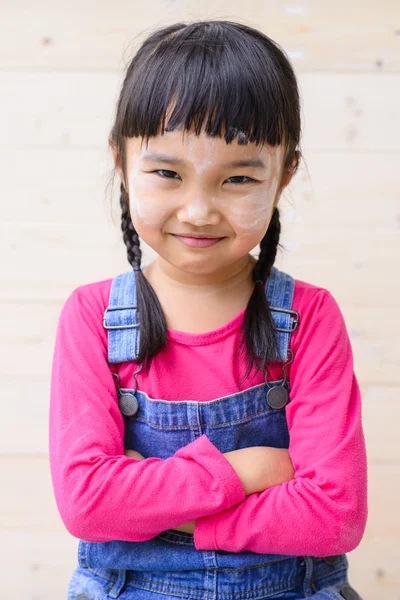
{"x":323,"y":510}
{"x":101,"y":494}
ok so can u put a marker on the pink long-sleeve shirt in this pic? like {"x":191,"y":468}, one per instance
{"x":104,"y":495}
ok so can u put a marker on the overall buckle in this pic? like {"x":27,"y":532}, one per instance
{"x":119,"y":308}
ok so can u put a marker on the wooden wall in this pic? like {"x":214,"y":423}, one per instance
{"x":61,"y":66}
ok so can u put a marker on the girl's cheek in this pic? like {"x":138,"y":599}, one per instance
{"x":145,"y":202}
{"x":147,"y":212}
{"x":249,"y":214}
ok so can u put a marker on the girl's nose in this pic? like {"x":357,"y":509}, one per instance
{"x":199,"y":209}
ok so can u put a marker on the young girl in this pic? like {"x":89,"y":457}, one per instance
{"x":205,"y":419}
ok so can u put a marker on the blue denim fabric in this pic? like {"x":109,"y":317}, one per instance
{"x":169,"y":565}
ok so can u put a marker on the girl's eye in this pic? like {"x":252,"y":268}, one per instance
{"x":233,"y":177}
{"x":165,"y":171}
{"x":241,"y":177}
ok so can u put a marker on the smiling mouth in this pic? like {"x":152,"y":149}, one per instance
{"x":197,"y":242}
{"x":198,"y":236}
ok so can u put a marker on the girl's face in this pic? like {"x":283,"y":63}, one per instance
{"x":183,"y":185}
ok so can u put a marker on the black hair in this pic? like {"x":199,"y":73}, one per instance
{"x":242,"y":84}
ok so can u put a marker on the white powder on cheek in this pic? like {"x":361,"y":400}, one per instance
{"x":252,"y":211}
{"x":139,"y":204}
{"x":249,"y":213}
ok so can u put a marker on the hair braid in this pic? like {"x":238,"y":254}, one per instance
{"x":268,"y":249}
{"x":130,"y":236}
{"x":259,"y":334}
{"x":153,"y":326}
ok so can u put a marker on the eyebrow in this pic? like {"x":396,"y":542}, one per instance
{"x":244,"y":162}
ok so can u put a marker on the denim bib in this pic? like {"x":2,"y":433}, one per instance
{"x":169,"y":565}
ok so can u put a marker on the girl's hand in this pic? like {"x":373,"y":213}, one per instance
{"x":261,"y":467}
{"x":133,"y":454}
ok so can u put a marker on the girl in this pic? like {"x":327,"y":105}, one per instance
{"x":205,"y":419}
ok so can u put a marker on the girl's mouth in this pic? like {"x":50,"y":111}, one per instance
{"x":193,"y":242}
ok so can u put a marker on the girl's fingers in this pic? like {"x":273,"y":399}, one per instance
{"x":133,"y":454}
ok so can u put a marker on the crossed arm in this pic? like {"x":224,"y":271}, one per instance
{"x":258,"y":468}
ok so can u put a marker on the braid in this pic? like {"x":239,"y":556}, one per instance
{"x":258,"y":333}
{"x":268,"y":249}
{"x":130,"y":237}
{"x":153,"y":326}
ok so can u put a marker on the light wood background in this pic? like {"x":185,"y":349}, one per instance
{"x":61,"y":66}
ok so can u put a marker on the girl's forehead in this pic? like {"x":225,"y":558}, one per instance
{"x":179,"y":141}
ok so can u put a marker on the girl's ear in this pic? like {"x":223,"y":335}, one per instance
{"x":288,"y":174}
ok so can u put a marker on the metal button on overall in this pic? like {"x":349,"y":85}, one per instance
{"x":128,"y":404}
{"x":127,"y":401}
{"x":83,"y":597}
{"x":349,"y":593}
{"x":277,"y":397}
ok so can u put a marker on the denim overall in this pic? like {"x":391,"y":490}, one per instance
{"x":168,"y":565}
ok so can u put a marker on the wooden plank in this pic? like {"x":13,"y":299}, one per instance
{"x":347,"y":112}
{"x":374,"y":568}
{"x":24,"y":430}
{"x":65,"y":109}
{"x":316,"y":36}
{"x":28,"y":477}
{"x":46,"y":560}
{"x":380,"y":416}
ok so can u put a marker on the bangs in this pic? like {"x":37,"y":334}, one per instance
{"x":210,"y":75}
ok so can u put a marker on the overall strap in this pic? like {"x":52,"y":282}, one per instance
{"x":280,"y":292}
{"x":122,"y":322}
{"x":121,"y":319}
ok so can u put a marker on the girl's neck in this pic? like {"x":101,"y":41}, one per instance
{"x":201,"y":308}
